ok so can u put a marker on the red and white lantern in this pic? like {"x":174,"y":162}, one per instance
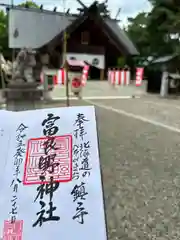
{"x":139,"y":76}
{"x":84,"y":76}
{"x":60,"y":77}
{"x":76,"y":85}
{"x":119,"y":77}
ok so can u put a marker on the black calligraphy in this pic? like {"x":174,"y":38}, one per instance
{"x":49,"y":144}
{"x":79,"y":194}
{"x":46,"y":189}
{"x":50,"y":128}
{"x":18,"y":159}
{"x":81,"y":157}
{"x":47,"y":164}
{"x":81,"y":165}
{"x":85,"y":168}
{"x":79,"y":131}
{"x":1,"y":132}
{"x":76,"y":157}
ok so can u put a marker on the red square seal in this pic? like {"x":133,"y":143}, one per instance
{"x":13,"y":231}
{"x":58,"y":158}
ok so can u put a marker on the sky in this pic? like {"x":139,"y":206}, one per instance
{"x":129,"y":8}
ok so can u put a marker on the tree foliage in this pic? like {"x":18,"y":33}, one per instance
{"x":4,"y":34}
{"x":137,"y":31}
{"x":29,"y":4}
{"x":157,"y":33}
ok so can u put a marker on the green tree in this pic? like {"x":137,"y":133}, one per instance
{"x":29,"y":4}
{"x":4,"y":34}
{"x":157,"y":33}
{"x":121,"y":61}
{"x":137,"y":31}
{"x":164,"y":27}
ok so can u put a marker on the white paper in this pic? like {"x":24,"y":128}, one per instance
{"x":6,"y":127}
{"x":94,"y":220}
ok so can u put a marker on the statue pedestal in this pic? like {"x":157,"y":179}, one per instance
{"x":23,"y":96}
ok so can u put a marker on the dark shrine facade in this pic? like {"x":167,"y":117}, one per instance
{"x":90,"y":43}
{"x":92,"y":38}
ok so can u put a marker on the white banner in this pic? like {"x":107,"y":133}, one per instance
{"x":22,"y":27}
{"x":52,"y":183}
{"x":95,"y":60}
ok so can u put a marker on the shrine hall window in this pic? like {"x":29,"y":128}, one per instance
{"x":85,"y":37}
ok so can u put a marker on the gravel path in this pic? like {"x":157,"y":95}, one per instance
{"x":154,"y":110}
{"x":103,"y":88}
{"x":141,"y":175}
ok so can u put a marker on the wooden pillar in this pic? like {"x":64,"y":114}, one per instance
{"x":66,"y":68}
{"x":102,"y":74}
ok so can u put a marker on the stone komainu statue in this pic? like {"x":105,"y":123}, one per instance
{"x":26,"y":68}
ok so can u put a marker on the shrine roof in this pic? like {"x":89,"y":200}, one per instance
{"x":35,"y":28}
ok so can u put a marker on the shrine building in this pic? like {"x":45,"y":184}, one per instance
{"x":92,"y":36}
